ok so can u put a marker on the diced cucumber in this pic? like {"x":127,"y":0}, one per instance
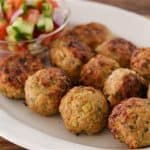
{"x":49,"y":26}
{"x":19,"y":30}
{"x":45,"y":24}
{"x":24,"y":7}
{"x":2,"y":2}
{"x":23,"y":26}
{"x":41,"y":23}
{"x":6,"y":6}
{"x":11,"y":34}
{"x":47,"y":9}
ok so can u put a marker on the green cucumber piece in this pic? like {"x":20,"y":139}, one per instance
{"x":19,"y":30}
{"x":45,"y":24}
{"x":24,"y":8}
{"x":47,"y":9}
{"x":23,"y":26}
{"x":41,"y":23}
{"x":49,"y":26}
{"x":11,"y":34}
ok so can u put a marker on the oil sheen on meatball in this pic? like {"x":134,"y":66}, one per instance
{"x":70,"y":54}
{"x":130,"y":122}
{"x":123,"y":84}
{"x":91,"y":34}
{"x":14,"y":70}
{"x":119,"y":49}
{"x":96,"y":71}
{"x":140,"y":62}
{"x":84,"y":110}
{"x":44,"y":90}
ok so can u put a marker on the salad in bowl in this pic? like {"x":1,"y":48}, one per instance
{"x":30,"y":25}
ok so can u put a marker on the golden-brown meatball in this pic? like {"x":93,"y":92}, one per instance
{"x":84,"y":110}
{"x":70,"y":54}
{"x":96,"y":71}
{"x":140,"y":62}
{"x":118,"y":49}
{"x":122,"y":84}
{"x":92,"y":34}
{"x":14,"y":70}
{"x":44,"y":90}
{"x":130,"y":122}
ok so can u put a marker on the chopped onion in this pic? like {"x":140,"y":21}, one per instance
{"x":59,"y":16}
{"x":16,"y":14}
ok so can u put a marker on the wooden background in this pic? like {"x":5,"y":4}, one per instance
{"x":138,"y":6}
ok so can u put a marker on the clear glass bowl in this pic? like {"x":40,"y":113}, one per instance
{"x":39,"y":44}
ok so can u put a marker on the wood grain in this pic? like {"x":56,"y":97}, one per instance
{"x":5,"y":145}
{"x":139,"y":6}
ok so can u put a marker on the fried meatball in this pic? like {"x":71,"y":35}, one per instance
{"x":14,"y":70}
{"x":118,"y":49}
{"x":130,"y":122}
{"x":44,"y":90}
{"x":84,"y":110}
{"x":140,"y":62}
{"x":70,"y":54}
{"x":92,"y":34}
{"x":122,"y":84}
{"x":148,"y":95}
{"x":95,"y":72}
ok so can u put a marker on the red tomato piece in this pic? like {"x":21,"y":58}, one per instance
{"x":32,"y":16}
{"x":39,"y":5}
{"x":21,"y":47}
{"x":3,"y":26}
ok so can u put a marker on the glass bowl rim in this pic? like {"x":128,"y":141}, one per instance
{"x":44,"y":36}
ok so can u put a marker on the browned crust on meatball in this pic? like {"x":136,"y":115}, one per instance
{"x":131,"y":87}
{"x":95,"y":72}
{"x":119,"y":49}
{"x":140,"y":62}
{"x":15,"y":69}
{"x":45,"y":89}
{"x":54,"y":77}
{"x":78,"y":48}
{"x":92,"y":34}
{"x":129,"y":122}
{"x":70,"y":54}
{"x":84,"y":110}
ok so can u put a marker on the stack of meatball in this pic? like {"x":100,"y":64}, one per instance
{"x":95,"y":79}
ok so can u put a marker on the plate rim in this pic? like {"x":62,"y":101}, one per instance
{"x":25,"y":141}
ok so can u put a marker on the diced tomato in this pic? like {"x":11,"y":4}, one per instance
{"x":39,"y":4}
{"x":16,"y":3}
{"x":21,"y":47}
{"x":3,"y":26}
{"x":32,"y":16}
{"x":53,"y":3}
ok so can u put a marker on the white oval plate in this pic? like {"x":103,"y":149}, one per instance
{"x":23,"y":127}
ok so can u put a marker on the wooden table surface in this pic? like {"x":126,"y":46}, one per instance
{"x":138,"y":6}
